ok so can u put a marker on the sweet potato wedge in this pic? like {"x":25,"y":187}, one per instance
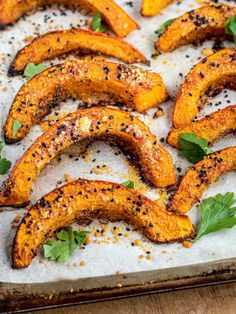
{"x":89,"y":124}
{"x":208,"y":77}
{"x":115,"y":17}
{"x":212,"y":127}
{"x":83,"y":200}
{"x":153,"y":7}
{"x":196,"y":25}
{"x":101,"y":80}
{"x":75,"y":39}
{"x":200,"y":176}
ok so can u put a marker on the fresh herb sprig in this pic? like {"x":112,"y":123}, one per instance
{"x":97,"y":24}
{"x":193,"y":148}
{"x":128,"y":184}
{"x":5,"y":164}
{"x":217,"y":213}
{"x":16,"y":127}
{"x":63,"y":247}
{"x":163,"y":27}
{"x":31,"y":70}
{"x":230,"y":27}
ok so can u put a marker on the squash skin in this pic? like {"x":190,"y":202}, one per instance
{"x":153,"y":7}
{"x":105,"y":81}
{"x":212,"y":127}
{"x":75,"y":39}
{"x":115,"y":17}
{"x":103,"y":199}
{"x":200,"y":176}
{"x":196,"y":25}
{"x":211,"y":74}
{"x":90,"y":124}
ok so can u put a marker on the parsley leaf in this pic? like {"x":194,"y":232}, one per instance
{"x":65,"y":244}
{"x":1,"y":146}
{"x":97,"y":24}
{"x":217,"y":213}
{"x":163,"y":27}
{"x":192,"y":147}
{"x":4,"y":163}
{"x":230,"y":27}
{"x":16,"y":127}
{"x":31,"y":70}
{"x":128,"y":184}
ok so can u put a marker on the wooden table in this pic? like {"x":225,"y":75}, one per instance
{"x":215,"y":299}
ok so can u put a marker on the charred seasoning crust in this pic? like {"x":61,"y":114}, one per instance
{"x":115,"y":17}
{"x":196,"y":25}
{"x":212,"y":127}
{"x":90,"y":124}
{"x":82,"y":201}
{"x":200,"y":176}
{"x":75,"y":39}
{"x":104,"y":81}
{"x":208,"y":77}
{"x":153,"y":7}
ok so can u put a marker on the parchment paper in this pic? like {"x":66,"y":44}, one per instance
{"x":111,"y":253}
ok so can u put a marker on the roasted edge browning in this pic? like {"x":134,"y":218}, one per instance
{"x":153,"y":7}
{"x":207,"y":78}
{"x":196,"y":25}
{"x":212,"y":127}
{"x":83,"y":201}
{"x":115,"y":17}
{"x":200,"y":176}
{"x":95,"y":81}
{"x":71,"y":40}
{"x":90,"y":124}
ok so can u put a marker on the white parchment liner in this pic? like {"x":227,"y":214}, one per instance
{"x":104,"y":259}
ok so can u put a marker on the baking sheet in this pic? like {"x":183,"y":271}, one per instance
{"x":111,"y":253}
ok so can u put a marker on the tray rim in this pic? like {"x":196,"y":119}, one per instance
{"x":16,"y":298}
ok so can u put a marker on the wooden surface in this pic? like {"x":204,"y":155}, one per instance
{"x":215,"y":299}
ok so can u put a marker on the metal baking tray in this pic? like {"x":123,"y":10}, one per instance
{"x":211,"y":261}
{"x":24,"y":297}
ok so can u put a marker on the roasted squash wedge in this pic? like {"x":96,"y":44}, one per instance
{"x":200,"y":176}
{"x":153,"y":7}
{"x":75,"y":39}
{"x":212,"y":127}
{"x":208,"y":77}
{"x":83,"y":200}
{"x":115,"y":17}
{"x":196,"y":25}
{"x":89,"y":124}
{"x":100,"y":80}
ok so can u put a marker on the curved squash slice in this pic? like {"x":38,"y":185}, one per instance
{"x":104,"y":81}
{"x":212,"y":127}
{"x":119,"y":22}
{"x":200,"y":176}
{"x":208,"y":77}
{"x":75,"y":39}
{"x":89,"y":124}
{"x":196,"y":25}
{"x":153,"y":7}
{"x":83,"y":200}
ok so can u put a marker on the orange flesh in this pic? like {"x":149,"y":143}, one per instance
{"x":65,"y":41}
{"x":210,"y":75}
{"x":200,"y":176}
{"x":116,"y":18}
{"x":212,"y":127}
{"x":94,"y":81}
{"x":89,"y":124}
{"x":196,"y":25}
{"x":83,"y":200}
